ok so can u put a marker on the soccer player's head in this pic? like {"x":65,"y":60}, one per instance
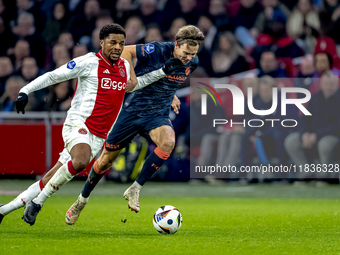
{"x":112,"y":41}
{"x":188,"y":40}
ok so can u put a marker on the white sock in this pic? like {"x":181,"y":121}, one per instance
{"x":61,"y":177}
{"x":21,"y":199}
{"x":136,"y":185}
{"x":83,"y":199}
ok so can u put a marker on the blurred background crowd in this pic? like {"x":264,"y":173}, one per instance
{"x":255,"y":41}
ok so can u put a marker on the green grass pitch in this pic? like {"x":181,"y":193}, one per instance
{"x":227,"y":219}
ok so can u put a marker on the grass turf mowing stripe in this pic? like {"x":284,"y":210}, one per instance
{"x":210,"y":226}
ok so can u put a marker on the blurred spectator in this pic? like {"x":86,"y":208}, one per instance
{"x":303,"y":24}
{"x":59,"y":51}
{"x":285,"y":45}
{"x":229,"y":143}
{"x":7,"y":39}
{"x":25,"y":29}
{"x":327,"y":45}
{"x":95,"y":41}
{"x":175,"y":26}
{"x":29,"y":69}
{"x":272,"y":137}
{"x":217,"y":11}
{"x":202,"y":132}
{"x":330,"y":19}
{"x":123,"y":10}
{"x":84,"y":23}
{"x":29,"y":72}
{"x":273,"y":12}
{"x":244,"y":21}
{"x":188,"y":11}
{"x":103,"y":19}
{"x":21,"y":51}
{"x":34,"y":8}
{"x":153,"y":33}
{"x":269,"y":66}
{"x":57,"y":23}
{"x":228,"y":58}
{"x":13,"y":86}
{"x":60,"y":96}
{"x":79,"y":50}
{"x":207,"y":27}
{"x":148,"y":12}
{"x":67,"y":40}
{"x":324,"y":63}
{"x":6,"y":69}
{"x":135,"y":30}
{"x":304,"y":78}
{"x":320,"y":132}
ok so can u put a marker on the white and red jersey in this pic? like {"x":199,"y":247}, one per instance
{"x":99,"y":92}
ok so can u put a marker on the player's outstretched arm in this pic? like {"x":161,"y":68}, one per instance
{"x":128,"y":54}
{"x":176,"y":104}
{"x":78,"y":67}
{"x":169,"y":66}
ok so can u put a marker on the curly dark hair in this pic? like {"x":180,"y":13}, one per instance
{"x":113,"y":28}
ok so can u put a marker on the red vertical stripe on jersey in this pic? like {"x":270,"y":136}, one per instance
{"x":109,"y":99}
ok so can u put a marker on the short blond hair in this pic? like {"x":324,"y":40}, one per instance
{"x":190,"y":35}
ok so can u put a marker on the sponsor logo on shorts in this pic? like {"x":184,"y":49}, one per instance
{"x":82,"y":131}
{"x":122,"y":72}
{"x":71,"y":65}
{"x":149,"y":48}
{"x":112,"y":146}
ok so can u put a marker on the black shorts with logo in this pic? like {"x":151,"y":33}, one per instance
{"x":128,"y":126}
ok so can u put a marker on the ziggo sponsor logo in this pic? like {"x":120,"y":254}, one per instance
{"x":107,"y":83}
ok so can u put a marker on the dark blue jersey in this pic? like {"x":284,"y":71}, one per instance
{"x":155,"y":99}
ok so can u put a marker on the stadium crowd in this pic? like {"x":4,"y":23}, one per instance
{"x":38,"y":36}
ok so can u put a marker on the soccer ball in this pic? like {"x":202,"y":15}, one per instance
{"x":167,"y":220}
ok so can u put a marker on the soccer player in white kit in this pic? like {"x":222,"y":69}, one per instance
{"x":99,"y":93}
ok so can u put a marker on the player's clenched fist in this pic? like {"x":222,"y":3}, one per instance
{"x":21,"y":102}
{"x":171,"y":65}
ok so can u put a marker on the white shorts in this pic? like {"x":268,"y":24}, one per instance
{"x":79,"y":133}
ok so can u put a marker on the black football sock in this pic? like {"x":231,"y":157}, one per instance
{"x":151,"y":164}
{"x":91,"y":182}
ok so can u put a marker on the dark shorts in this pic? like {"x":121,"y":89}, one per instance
{"x":128,"y":126}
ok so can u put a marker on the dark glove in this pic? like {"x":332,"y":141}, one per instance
{"x":171,"y":65}
{"x":21,"y":102}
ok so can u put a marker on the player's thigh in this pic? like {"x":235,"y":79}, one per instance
{"x":163,"y":136}
{"x":78,"y":143}
{"x":77,"y":139}
{"x":124,"y":130}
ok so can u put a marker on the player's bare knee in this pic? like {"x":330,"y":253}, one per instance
{"x":80,"y":164}
{"x":168,"y":145}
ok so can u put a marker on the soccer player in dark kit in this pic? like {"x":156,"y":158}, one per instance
{"x":146,"y":112}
